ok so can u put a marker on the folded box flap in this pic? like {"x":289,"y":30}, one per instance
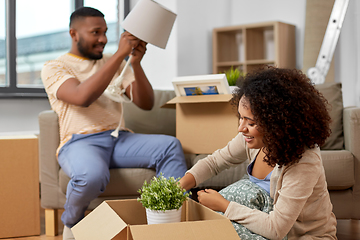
{"x":197,"y":212}
{"x":102,"y":223}
{"x":199,"y":230}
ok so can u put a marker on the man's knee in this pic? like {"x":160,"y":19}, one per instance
{"x":88,"y":183}
{"x":172,"y":142}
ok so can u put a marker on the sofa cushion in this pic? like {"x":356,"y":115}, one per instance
{"x":339,"y":169}
{"x":123,"y":181}
{"x":156,"y":121}
{"x":332,"y":92}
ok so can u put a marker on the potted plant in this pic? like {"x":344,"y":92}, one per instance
{"x":162,"y":198}
{"x":232,"y":76}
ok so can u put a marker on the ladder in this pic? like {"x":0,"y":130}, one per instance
{"x":318,"y":73}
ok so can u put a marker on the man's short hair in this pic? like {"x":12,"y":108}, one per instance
{"x":83,"y":12}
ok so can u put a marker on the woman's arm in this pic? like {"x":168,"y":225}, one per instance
{"x":233,"y":154}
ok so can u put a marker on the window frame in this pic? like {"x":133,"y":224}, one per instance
{"x":12,"y":90}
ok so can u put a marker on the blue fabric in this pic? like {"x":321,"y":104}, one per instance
{"x":263,"y":183}
{"x":86,"y":159}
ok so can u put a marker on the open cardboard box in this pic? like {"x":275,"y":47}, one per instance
{"x":126,"y":220}
{"x":204,"y":123}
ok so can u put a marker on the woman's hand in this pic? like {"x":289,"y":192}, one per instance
{"x":187,"y":182}
{"x":213,"y":200}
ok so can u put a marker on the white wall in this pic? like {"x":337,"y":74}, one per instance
{"x":160,"y":65}
{"x":347,"y":56}
{"x":292,"y":12}
{"x":196,"y":19}
{"x":21,"y":115}
{"x":189,"y":49}
{"x":191,"y":38}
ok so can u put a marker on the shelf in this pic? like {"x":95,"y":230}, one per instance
{"x":224,"y":68}
{"x":230,"y":46}
{"x":250,"y":46}
{"x":224,"y":64}
{"x":260,"y":61}
{"x":260,"y":43}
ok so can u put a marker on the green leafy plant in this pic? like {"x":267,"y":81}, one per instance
{"x":233,"y":75}
{"x":162,"y":194}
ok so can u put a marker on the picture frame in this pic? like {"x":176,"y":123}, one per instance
{"x":211,"y":84}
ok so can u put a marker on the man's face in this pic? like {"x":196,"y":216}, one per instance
{"x":91,"y":37}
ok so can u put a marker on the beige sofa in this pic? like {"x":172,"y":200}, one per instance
{"x":342,"y":166}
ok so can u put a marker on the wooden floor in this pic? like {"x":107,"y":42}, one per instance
{"x":347,"y":230}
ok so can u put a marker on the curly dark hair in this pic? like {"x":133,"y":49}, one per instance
{"x":288,"y":110}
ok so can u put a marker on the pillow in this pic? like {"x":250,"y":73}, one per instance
{"x":156,"y":121}
{"x":332,"y":92}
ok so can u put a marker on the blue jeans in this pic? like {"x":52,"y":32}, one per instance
{"x":87,"y":158}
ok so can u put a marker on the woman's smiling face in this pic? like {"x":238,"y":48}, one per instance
{"x":248,"y":126}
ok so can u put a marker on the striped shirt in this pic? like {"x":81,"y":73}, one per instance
{"x":103,"y":114}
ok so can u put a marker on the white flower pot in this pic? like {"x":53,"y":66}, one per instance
{"x":167,"y":216}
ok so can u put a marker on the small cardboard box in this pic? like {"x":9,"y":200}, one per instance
{"x":204,"y":123}
{"x":19,"y":186}
{"x":126,"y":220}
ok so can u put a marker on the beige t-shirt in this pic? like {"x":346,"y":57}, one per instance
{"x":103,"y":114}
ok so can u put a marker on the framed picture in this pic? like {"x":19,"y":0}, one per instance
{"x":211,"y":84}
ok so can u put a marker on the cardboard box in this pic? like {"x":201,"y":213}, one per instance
{"x":204,"y":123}
{"x":19,"y":186}
{"x":126,"y":220}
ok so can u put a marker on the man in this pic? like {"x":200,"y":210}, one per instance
{"x":75,"y":83}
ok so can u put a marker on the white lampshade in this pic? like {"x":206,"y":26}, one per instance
{"x":150,"y":22}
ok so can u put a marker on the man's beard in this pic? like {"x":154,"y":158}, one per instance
{"x":85,"y":51}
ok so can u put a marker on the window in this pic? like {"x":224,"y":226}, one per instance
{"x":40,"y":37}
{"x":33,"y":32}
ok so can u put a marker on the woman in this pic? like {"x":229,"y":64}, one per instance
{"x":282,"y":122}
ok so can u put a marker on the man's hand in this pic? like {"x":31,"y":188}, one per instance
{"x":213,"y":200}
{"x":138,"y":53}
{"x":142,"y":92}
{"x":127,"y":43}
